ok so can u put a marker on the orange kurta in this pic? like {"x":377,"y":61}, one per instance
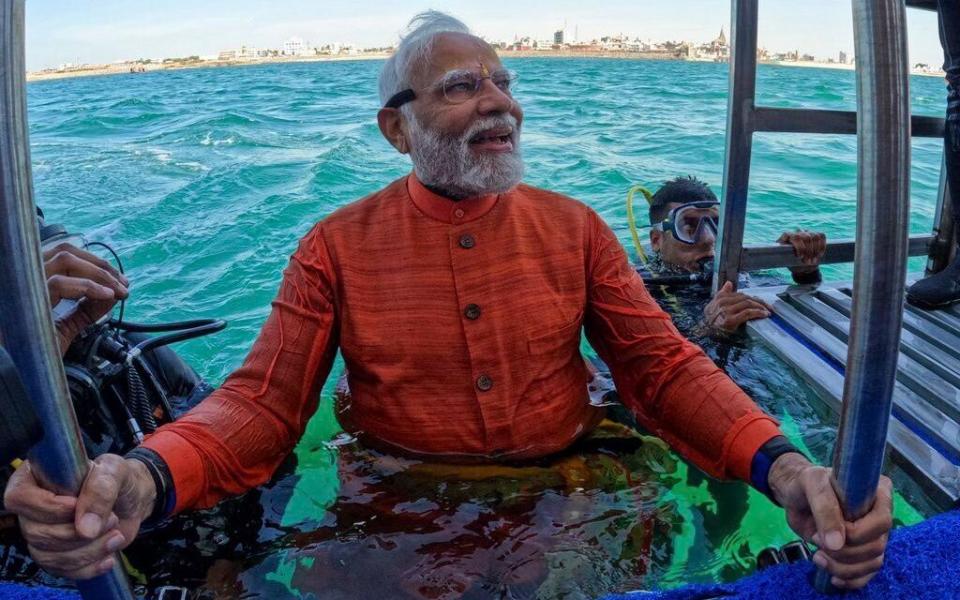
{"x":460,"y":326}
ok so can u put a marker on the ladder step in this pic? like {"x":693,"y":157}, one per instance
{"x":806,"y":120}
{"x":937,"y":475}
{"x":913,"y":392}
{"x":939,"y":355}
{"x":763,"y":256}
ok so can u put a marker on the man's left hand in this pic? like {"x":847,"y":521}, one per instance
{"x":851,"y":552}
{"x":808,"y":246}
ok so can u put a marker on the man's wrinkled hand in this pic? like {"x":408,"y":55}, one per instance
{"x":808,"y":246}
{"x":79,"y":275}
{"x":728,"y":310}
{"x":851,"y":552}
{"x":78,"y":537}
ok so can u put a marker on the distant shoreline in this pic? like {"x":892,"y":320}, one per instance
{"x":137,"y":67}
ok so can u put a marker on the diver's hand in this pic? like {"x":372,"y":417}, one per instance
{"x":77,"y":537}
{"x":728,"y":310}
{"x":851,"y":552}
{"x":76,"y":274}
{"x":808,"y":246}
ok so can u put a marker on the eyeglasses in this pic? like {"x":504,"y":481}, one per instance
{"x":460,"y":86}
{"x":689,"y":222}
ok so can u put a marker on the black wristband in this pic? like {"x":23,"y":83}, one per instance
{"x":807,"y":278}
{"x":161,"y":479}
{"x":764,"y":459}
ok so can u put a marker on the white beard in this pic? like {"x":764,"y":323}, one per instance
{"x":448,"y":164}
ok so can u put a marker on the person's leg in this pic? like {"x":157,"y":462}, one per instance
{"x":943,"y":288}
{"x":950,"y":39}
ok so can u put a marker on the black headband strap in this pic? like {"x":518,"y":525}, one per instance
{"x":400,"y":98}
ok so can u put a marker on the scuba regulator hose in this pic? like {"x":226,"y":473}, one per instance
{"x":135,"y":364}
{"x":704,"y":275}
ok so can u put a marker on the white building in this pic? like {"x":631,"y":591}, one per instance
{"x":296,"y":47}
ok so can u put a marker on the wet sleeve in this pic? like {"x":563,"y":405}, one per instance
{"x":671,"y":386}
{"x":236,"y":438}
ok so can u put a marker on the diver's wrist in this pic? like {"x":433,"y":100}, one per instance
{"x":772,"y":464}
{"x":784,"y":473}
{"x":146,"y":490}
{"x":155,"y":481}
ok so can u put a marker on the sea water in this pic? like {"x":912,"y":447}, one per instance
{"x":204,"y":179}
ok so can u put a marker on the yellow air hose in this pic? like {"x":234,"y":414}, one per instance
{"x":631,"y":221}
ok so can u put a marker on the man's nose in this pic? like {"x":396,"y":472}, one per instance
{"x":491,"y":99}
{"x":706,"y":237}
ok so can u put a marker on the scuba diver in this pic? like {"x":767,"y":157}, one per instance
{"x":943,"y":288}
{"x":684,"y":215}
{"x":123,"y":383}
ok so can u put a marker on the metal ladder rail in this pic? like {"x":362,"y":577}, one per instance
{"x":745,"y":118}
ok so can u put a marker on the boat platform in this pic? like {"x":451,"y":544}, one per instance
{"x":809,"y":331}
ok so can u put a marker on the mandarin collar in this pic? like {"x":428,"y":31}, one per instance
{"x":446,"y":210}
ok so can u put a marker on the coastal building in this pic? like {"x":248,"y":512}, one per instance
{"x":522,"y":44}
{"x":296,"y":47}
{"x":614,"y":43}
{"x":842,"y":59}
{"x":717,"y":49}
{"x":558,"y":38}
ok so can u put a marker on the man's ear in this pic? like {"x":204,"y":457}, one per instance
{"x":391,"y":126}
{"x":656,"y":238}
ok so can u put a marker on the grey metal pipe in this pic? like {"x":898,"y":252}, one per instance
{"x":739,"y":144}
{"x":883,"y":185}
{"x":26,"y":327}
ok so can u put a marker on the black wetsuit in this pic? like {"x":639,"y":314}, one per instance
{"x":950,"y":39}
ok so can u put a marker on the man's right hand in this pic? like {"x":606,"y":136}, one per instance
{"x":728,"y":310}
{"x":78,"y":537}
{"x":77,"y":274}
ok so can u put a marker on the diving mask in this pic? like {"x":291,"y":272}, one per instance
{"x":690,"y":222}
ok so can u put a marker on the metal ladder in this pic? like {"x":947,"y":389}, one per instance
{"x":745,"y":118}
{"x":856,"y":343}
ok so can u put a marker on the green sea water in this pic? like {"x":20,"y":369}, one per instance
{"x":203,"y":180}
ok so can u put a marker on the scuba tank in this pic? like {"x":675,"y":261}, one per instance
{"x":20,"y":428}
{"x":124,"y":380}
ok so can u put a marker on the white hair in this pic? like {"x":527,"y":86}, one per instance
{"x":414,"y":45}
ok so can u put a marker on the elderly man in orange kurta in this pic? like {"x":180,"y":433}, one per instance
{"x":457,"y":296}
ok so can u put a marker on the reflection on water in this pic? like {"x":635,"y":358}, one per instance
{"x":573,"y":524}
{"x":618,"y":511}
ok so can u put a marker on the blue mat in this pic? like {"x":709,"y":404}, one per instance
{"x":12,"y":591}
{"x":923,"y":561}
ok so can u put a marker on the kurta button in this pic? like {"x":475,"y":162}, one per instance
{"x":472,"y":312}
{"x":467,"y":241}
{"x":459,"y":213}
{"x":484,"y":383}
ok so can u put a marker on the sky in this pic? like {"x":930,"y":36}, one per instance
{"x":104,"y":31}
